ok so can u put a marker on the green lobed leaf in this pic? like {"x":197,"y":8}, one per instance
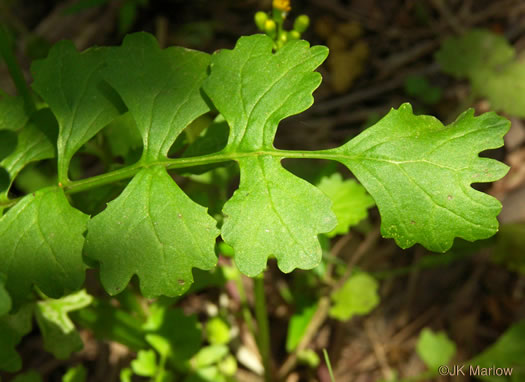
{"x":350,"y":202}
{"x":41,"y":243}
{"x":155,"y":231}
{"x":419,"y":173}
{"x":435,"y":348}
{"x":145,"y":364}
{"x":58,"y":331}
{"x":12,"y":328}
{"x":358,"y":296}
{"x":267,"y":215}
{"x":160,"y":87}
{"x":490,"y":63}
{"x":71,"y":83}
{"x":153,"y":227}
{"x":254,"y":89}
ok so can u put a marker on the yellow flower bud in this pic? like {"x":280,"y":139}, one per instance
{"x":282,"y":5}
{"x":269,"y":26}
{"x":301,"y":23}
{"x":260,"y":20}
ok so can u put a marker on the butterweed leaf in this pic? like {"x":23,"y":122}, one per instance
{"x":58,"y":331}
{"x":71,"y":84}
{"x":12,"y":328}
{"x":358,"y":296}
{"x":435,"y":349}
{"x":160,"y":87}
{"x":41,"y":243}
{"x":154,"y":230}
{"x":411,"y":164}
{"x":254,"y":89}
{"x":350,"y":202}
{"x":153,"y":227}
{"x":267,"y":216}
{"x":492,"y":66}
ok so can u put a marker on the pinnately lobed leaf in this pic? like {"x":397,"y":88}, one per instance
{"x":420,"y":173}
{"x":254,"y":89}
{"x":153,"y":229}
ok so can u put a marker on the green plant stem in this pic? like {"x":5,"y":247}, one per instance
{"x":261,"y":313}
{"x":75,"y":186}
{"x":328,"y":365}
{"x":15,"y":71}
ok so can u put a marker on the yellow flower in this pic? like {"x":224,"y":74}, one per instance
{"x":282,"y":5}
